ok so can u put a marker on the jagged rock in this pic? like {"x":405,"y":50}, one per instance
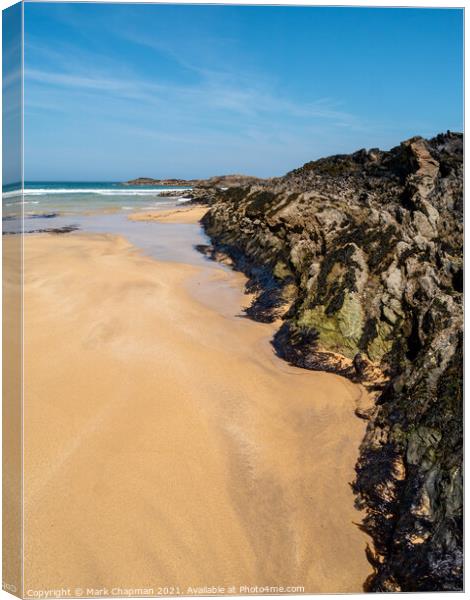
{"x":361,"y":256}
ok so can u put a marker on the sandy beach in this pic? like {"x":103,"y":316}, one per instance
{"x":165,"y":443}
{"x":186,"y":215}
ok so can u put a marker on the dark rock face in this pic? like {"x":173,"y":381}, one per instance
{"x":361,"y":255}
{"x":206,"y":191}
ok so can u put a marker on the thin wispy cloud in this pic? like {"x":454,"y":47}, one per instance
{"x":227,"y":91}
{"x":209,"y":93}
{"x":252,"y":92}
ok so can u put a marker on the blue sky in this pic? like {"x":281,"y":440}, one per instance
{"x":11,"y":88}
{"x":120,"y":91}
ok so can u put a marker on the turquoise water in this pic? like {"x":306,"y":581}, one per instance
{"x":84,"y":207}
{"x":75,"y":197}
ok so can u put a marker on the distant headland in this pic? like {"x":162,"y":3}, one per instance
{"x":217,"y":181}
{"x":151,"y":181}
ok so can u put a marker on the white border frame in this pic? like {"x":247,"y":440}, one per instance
{"x":437,"y":4}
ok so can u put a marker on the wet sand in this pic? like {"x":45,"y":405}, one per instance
{"x":165,"y":443}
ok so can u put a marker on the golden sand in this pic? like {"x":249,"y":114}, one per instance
{"x":190,"y":214}
{"x":165,"y":443}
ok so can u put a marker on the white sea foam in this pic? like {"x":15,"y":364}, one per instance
{"x":101,"y":192}
{"x":11,"y":194}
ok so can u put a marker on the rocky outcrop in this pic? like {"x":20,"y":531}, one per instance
{"x":150,"y":181}
{"x":217,"y":182}
{"x":228,"y":181}
{"x":361,"y":257}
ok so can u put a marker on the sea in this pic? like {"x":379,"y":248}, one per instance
{"x":102,"y":207}
{"x":78,"y":197}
